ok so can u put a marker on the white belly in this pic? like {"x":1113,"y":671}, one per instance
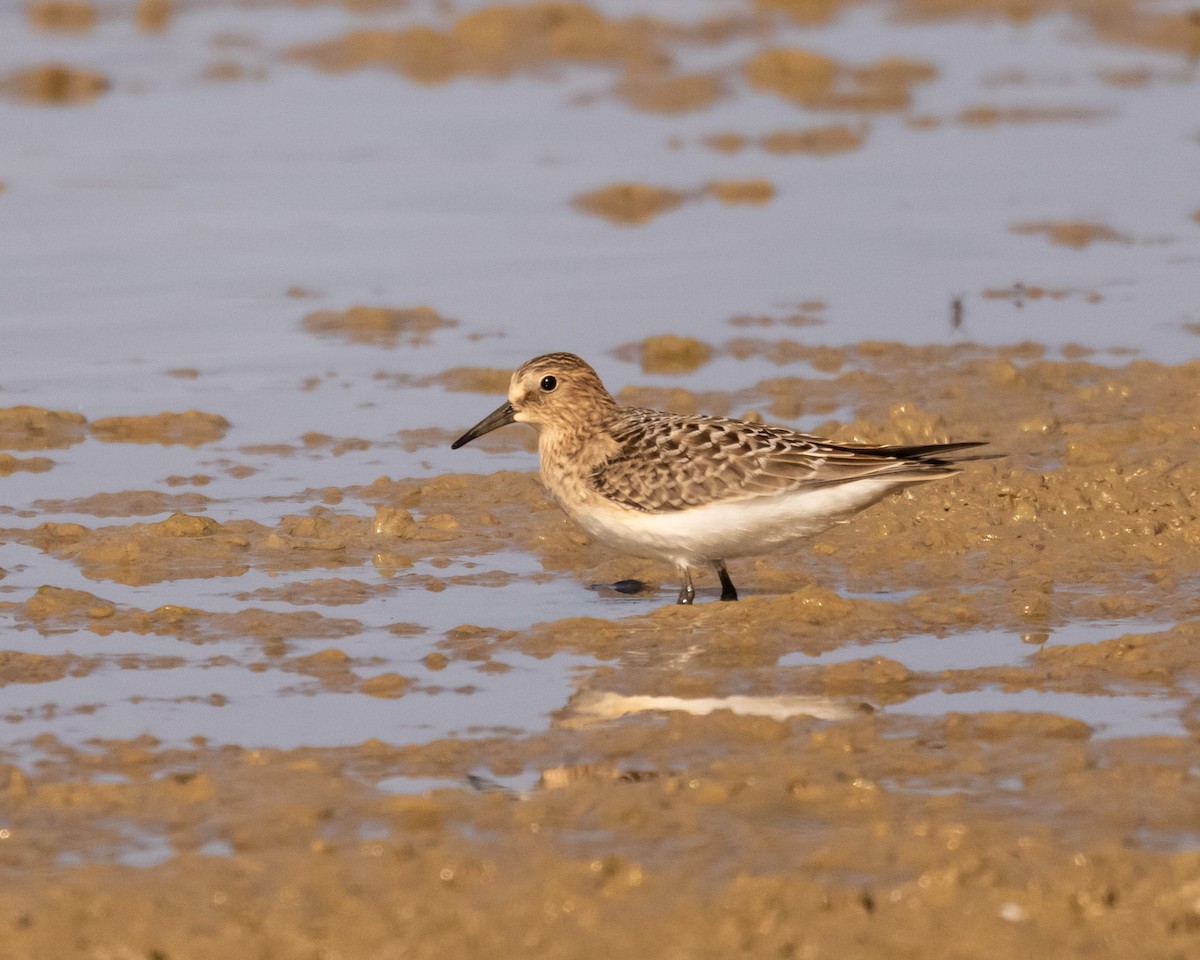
{"x":722,"y":531}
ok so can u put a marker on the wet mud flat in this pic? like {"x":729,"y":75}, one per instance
{"x":776,"y":777}
{"x":281,"y":676}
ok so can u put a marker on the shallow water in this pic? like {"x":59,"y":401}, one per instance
{"x":971,"y":649}
{"x":1113,"y":716}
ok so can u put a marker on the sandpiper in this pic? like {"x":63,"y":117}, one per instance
{"x":695,"y":491}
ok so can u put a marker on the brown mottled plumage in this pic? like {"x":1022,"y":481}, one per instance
{"x":695,"y":490}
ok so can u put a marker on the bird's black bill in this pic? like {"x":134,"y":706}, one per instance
{"x":500,"y":417}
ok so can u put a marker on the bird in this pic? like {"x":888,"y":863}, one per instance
{"x":696,"y":491}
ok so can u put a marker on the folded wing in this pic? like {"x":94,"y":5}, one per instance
{"x":667,"y":462}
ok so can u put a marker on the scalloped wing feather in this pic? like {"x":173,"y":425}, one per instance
{"x":668,"y":462}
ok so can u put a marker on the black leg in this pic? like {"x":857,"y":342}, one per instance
{"x":728,"y":590}
{"x":687,"y":593}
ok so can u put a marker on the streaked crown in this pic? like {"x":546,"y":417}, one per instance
{"x":559,"y":390}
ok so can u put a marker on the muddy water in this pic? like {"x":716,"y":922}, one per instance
{"x":281,"y":675}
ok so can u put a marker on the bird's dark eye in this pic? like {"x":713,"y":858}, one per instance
{"x":548,"y":384}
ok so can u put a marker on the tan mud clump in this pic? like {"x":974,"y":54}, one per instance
{"x":494,"y":41}
{"x":426,"y":438}
{"x":809,"y":12}
{"x":54,"y":83}
{"x":386,"y":685}
{"x":502,"y":36}
{"x":127,"y":503}
{"x":379,"y":326}
{"x":799,"y":75}
{"x":990,"y":116}
{"x":32,"y":428}
{"x":1071,"y":234}
{"x":50,"y":604}
{"x":17,"y":667}
{"x":474,"y":380}
{"x":809,"y":618}
{"x":805,"y":318}
{"x":655,"y":92}
{"x":179,"y":547}
{"x":671,"y":354}
{"x":55,"y":610}
{"x":796,"y":616}
{"x":10,"y":464}
{"x":817,"y":81}
{"x":419,"y":53}
{"x":895,"y":71}
{"x":1168,"y":31}
{"x":190,"y":429}
{"x":818,"y":141}
{"x":331,"y":667}
{"x":1157,"y":663}
{"x":505,"y":511}
{"x":1019,"y":293}
{"x":629,"y":204}
{"x":394,"y":522}
{"x":754,"y":192}
{"x":327,"y":593}
{"x":1016,"y":12}
{"x":61,"y":16}
{"x":312,"y":441}
{"x":1119,"y":21}
{"x":153,"y":16}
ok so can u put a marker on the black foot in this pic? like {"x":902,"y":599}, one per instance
{"x":687,"y":593}
{"x":728,"y":590}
